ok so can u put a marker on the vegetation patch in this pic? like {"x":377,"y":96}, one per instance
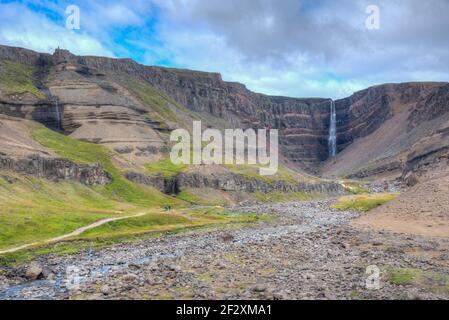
{"x":283,"y":196}
{"x":283,"y":174}
{"x":35,"y":209}
{"x":435,"y":282}
{"x":354,"y":187}
{"x":120,"y":188}
{"x":166,"y":168}
{"x":15,"y":78}
{"x":153,"y":224}
{"x":158,"y":102}
{"x":364,"y":202}
{"x":206,"y":197}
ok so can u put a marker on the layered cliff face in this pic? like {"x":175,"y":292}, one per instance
{"x":56,"y":169}
{"x":384,"y":129}
{"x":130,"y":108}
{"x":127,"y":105}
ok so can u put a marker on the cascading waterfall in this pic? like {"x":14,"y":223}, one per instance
{"x":58,"y":115}
{"x":333,"y":131}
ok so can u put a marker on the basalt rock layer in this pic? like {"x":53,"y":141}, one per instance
{"x":56,"y":169}
{"x":130,"y":107}
{"x":230,"y":182}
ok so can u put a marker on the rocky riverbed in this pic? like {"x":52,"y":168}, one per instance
{"x":309,"y":251}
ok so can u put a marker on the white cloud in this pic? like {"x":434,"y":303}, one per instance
{"x":24,"y":28}
{"x":283,"y":47}
{"x":305,"y":47}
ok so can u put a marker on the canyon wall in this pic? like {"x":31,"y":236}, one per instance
{"x":86,"y":97}
{"x":56,"y":169}
{"x":230,"y":182}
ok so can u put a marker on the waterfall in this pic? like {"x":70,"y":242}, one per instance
{"x":58,"y":115}
{"x":333,"y":131}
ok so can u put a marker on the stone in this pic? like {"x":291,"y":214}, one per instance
{"x":260,"y":288}
{"x":124,"y":149}
{"x":48,"y":273}
{"x":56,"y":169}
{"x":33,"y":272}
{"x":106,"y":290}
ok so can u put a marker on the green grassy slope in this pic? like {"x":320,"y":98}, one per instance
{"x":15,"y":78}
{"x":364,"y":202}
{"x":36,"y":209}
{"x":120,"y":189}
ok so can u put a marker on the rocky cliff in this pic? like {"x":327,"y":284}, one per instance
{"x":387,"y":129}
{"x":88,"y":90}
{"x":128,"y":106}
{"x":56,"y":169}
{"x":230,"y":182}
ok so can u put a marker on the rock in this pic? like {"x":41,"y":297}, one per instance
{"x":230,"y":182}
{"x":227,"y":237}
{"x":173,"y":267}
{"x":411,"y":179}
{"x":130,"y":277}
{"x":280,"y":295}
{"x":124,"y":149}
{"x":106,"y":290}
{"x":259,"y":288}
{"x":48,"y":273}
{"x":221,"y":265}
{"x":134,"y":266}
{"x":33,"y":272}
{"x":56,"y":169}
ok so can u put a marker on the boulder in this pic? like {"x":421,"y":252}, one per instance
{"x":34,"y":271}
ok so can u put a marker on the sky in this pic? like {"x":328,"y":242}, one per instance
{"x":298,"y":48}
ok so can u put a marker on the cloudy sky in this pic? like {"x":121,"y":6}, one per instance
{"x":283,"y":47}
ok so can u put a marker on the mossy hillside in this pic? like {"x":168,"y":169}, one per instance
{"x":16,"y":78}
{"x":354,"y":187}
{"x":165,"y":108}
{"x":120,"y":188}
{"x":36,"y":209}
{"x":283,"y":174}
{"x":165,"y":167}
{"x":364,"y":202}
{"x":279,"y":197}
{"x":209,"y":197}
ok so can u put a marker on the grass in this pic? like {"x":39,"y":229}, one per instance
{"x":354,"y":187}
{"x":158,"y":103}
{"x":168,"y":221}
{"x":364,"y":202}
{"x":120,"y":188}
{"x":166,"y":168}
{"x":404,"y":276}
{"x":252,"y":171}
{"x":282,"y":196}
{"x":15,"y":78}
{"x":34,"y":209}
{"x":205,"y":197}
{"x":154,"y":224}
{"x":207,"y":277}
{"x":432,"y":281}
